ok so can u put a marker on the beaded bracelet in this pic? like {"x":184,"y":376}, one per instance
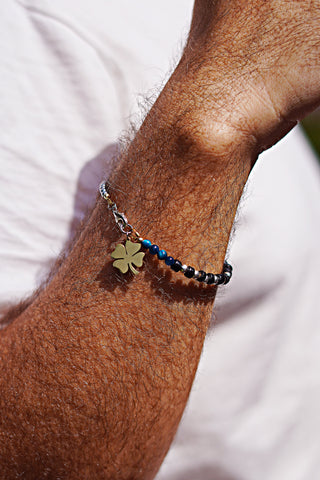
{"x":127,"y":255}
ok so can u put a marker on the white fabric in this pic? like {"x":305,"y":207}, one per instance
{"x":71,"y":73}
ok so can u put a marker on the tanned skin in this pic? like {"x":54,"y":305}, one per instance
{"x":96,"y":371}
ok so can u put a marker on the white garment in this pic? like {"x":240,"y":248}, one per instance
{"x":70,"y":76}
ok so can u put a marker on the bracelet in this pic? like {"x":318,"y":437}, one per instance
{"x":127,"y":255}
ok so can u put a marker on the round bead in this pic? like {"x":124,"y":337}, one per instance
{"x":176,"y":266}
{"x":220,"y":279}
{"x":227,"y":277}
{"x":153,"y":249}
{"x":196,"y":274}
{"x":184,"y":268}
{"x":227,"y":267}
{"x":169,"y":261}
{"x":162,"y":254}
{"x":202,"y":276}
{"x":146,"y":243}
{"x":189,"y":272}
{"x":211,"y":278}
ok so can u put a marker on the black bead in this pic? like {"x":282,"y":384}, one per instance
{"x":202,"y":276}
{"x":219,"y":279}
{"x":189,"y":272}
{"x":227,"y":267}
{"x":211,"y":278}
{"x":227,"y":277}
{"x":176,"y":266}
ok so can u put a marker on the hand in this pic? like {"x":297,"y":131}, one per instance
{"x":260,"y":63}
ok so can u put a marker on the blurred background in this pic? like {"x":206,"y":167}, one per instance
{"x":311,"y":126}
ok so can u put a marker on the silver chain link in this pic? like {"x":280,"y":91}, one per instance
{"x":120,"y":218}
{"x":121,"y":221}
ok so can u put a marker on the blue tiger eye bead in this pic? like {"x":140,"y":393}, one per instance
{"x":154,"y":249}
{"x":162,"y":254}
{"x":169,"y":261}
{"x":146,"y":243}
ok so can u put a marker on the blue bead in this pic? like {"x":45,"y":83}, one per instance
{"x":169,"y":261}
{"x":146,"y":243}
{"x":162,"y":254}
{"x":154,"y":249}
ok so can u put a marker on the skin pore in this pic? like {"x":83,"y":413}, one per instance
{"x":96,"y":371}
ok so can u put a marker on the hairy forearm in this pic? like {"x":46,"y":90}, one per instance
{"x":96,"y":372}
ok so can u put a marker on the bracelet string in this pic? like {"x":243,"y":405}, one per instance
{"x":127,"y":256}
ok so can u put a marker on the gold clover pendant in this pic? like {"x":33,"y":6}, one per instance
{"x":126,"y":256}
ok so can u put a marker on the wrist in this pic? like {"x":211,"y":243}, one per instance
{"x":226,"y":106}
{"x":209,"y":116}
{"x":181,"y":196}
{"x":200,"y":125}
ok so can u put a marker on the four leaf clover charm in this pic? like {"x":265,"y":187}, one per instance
{"x":126,"y":256}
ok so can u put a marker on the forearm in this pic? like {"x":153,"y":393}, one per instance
{"x":97,"y":371}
